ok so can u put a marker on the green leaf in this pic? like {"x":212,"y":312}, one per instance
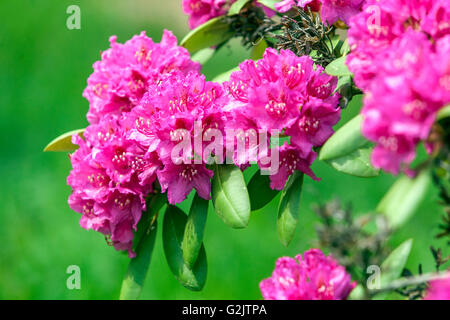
{"x":203,"y":55}
{"x":443,"y":113}
{"x":345,"y":48}
{"x":403,"y":198}
{"x":193,"y":232}
{"x":356,"y":163}
{"x":212,"y":33}
{"x":269,"y":3}
{"x":338,"y":68}
{"x":64,"y":142}
{"x":137,"y":269}
{"x":344,"y":141}
{"x":259,"y":49}
{"x":357,"y":293}
{"x":348,"y":151}
{"x":392,"y":267}
{"x":237,"y":7}
{"x":225,"y":76}
{"x":289,"y":208}
{"x":230,"y":196}
{"x":173,"y":229}
{"x":259,"y":191}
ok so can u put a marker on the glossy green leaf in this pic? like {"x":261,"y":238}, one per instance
{"x":259,"y":49}
{"x":403,"y":198}
{"x":225,"y":76}
{"x":193,"y":232}
{"x":269,"y":3}
{"x":289,"y":208}
{"x":212,"y":33}
{"x":137,"y":269}
{"x":64,"y":142}
{"x":344,"y":141}
{"x":348,"y":151}
{"x":259,"y":191}
{"x":357,"y":293}
{"x":443,"y":113}
{"x":356,"y":163}
{"x":237,"y":7}
{"x":173,"y":228}
{"x":230,"y":196}
{"x":345,"y":48}
{"x":203,"y":55}
{"x":338,"y":68}
{"x":392,"y":267}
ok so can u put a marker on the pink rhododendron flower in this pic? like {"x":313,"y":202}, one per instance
{"x":200,"y":11}
{"x":334,"y":10}
{"x":311,"y":277}
{"x":400,"y":50}
{"x":439,"y":290}
{"x":382,"y":21}
{"x":170,"y":110}
{"x":283,"y":92}
{"x":286,"y":5}
{"x":110,"y":208}
{"x":291,"y":159}
{"x":330,"y":10}
{"x":120,"y":79}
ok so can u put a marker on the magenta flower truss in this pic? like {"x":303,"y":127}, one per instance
{"x":311,"y":277}
{"x":399,"y":56}
{"x":114,"y":168}
{"x":120,"y":79}
{"x":439,"y":290}
{"x":200,"y":11}
{"x":284,"y":92}
{"x":330,"y":10}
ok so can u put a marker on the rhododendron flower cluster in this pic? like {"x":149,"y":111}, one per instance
{"x":400,"y":51}
{"x":112,"y":173}
{"x":311,"y":277}
{"x":330,"y":10}
{"x":285,"y":92}
{"x":200,"y":11}
{"x":439,"y":290}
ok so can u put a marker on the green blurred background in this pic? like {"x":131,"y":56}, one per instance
{"x":43,"y":71}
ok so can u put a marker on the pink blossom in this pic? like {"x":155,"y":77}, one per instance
{"x":334,"y":10}
{"x":179,"y":180}
{"x":373,"y":30}
{"x":439,"y":290}
{"x":120,"y":79}
{"x":395,"y":63}
{"x":167,"y":116}
{"x":330,"y":10}
{"x":286,"y":5}
{"x":313,"y":277}
{"x":112,"y":209}
{"x":291,"y":159}
{"x":200,"y":11}
{"x":283,"y":92}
